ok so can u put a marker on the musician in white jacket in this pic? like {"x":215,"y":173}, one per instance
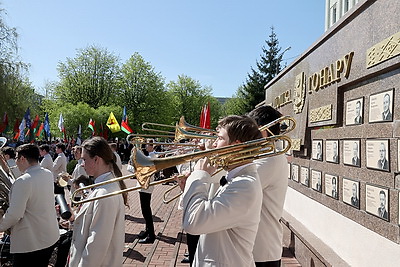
{"x":273,"y":172}
{"x":31,"y":214}
{"x":99,"y":227}
{"x":228,"y":222}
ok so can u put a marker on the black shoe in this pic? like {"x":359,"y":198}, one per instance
{"x":147,"y":240}
{"x":185,"y":260}
{"x":142,"y":234}
{"x":186,"y":254}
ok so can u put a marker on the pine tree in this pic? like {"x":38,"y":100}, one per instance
{"x":267,"y":68}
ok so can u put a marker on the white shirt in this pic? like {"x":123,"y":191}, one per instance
{"x":31,"y":215}
{"x":47,"y":162}
{"x":227,"y":223}
{"x":59,"y":165}
{"x":273,"y":173}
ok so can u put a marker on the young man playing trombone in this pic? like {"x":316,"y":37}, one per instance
{"x":228,"y":222}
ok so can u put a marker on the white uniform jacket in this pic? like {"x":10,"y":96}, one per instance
{"x":273,"y":173}
{"x":32,"y":214}
{"x":99,"y":229}
{"x":227,"y":223}
{"x":47,"y":162}
{"x":59,"y":165}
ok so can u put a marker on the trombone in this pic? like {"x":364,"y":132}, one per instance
{"x":286,"y":125}
{"x":221,"y":157}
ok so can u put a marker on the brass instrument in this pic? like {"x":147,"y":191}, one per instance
{"x":222,"y":157}
{"x":181,"y":124}
{"x":62,"y":179}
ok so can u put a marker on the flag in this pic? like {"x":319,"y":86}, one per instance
{"x":4,"y":125}
{"x":112,"y":123}
{"x":92,"y":126}
{"x":79,"y":136}
{"x":46,"y":125}
{"x":124,"y":123}
{"x":39,"y":131}
{"x":27,"y":118}
{"x":20,"y":135}
{"x":16,"y":126}
{"x":61,"y":123}
{"x":207,"y":117}
{"x":202,"y":117}
{"x":35,"y":122}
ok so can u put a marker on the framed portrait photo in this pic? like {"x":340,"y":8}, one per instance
{"x":316,"y":180}
{"x":351,"y":152}
{"x":378,"y":154}
{"x":295,"y":172}
{"x":381,"y":106}
{"x":317,"y":149}
{"x":332,"y":151}
{"x":377,"y":201}
{"x":354,"y":111}
{"x":351,"y":192}
{"x":304,"y":176}
{"x":332,"y":186}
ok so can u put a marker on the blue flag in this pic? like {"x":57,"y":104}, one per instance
{"x":46,"y":124}
{"x":27,"y":118}
{"x":124,"y":114}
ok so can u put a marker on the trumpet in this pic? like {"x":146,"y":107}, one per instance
{"x":221,"y":157}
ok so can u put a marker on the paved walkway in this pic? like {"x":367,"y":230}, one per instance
{"x":170,"y":244}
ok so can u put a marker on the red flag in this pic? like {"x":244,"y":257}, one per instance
{"x":35,"y":122}
{"x":202,"y":117}
{"x":125,"y":127}
{"x":39,"y":131}
{"x":105,"y":133}
{"x":4,"y":125}
{"x":207,"y":118}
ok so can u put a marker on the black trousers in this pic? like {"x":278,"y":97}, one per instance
{"x":38,"y":258}
{"x":192,"y":241}
{"x":63,"y":245}
{"x":269,"y":264}
{"x":145,"y":199}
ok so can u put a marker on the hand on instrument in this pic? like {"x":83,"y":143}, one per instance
{"x":204,"y":164}
{"x":181,"y":179}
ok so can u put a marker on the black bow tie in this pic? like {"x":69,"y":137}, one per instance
{"x":223,"y":181}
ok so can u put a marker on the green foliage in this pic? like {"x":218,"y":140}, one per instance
{"x":91,"y":77}
{"x":234,"y":106}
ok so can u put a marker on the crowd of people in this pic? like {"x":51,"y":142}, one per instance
{"x":231,"y":219}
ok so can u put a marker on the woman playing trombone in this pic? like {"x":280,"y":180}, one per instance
{"x":99,"y":227}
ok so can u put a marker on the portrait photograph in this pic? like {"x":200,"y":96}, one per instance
{"x":290,"y":170}
{"x":304,"y":176}
{"x":354,"y":111}
{"x":381,"y":106}
{"x":316,"y":180}
{"x":332,"y":151}
{"x":317,"y":149}
{"x":377,"y":201}
{"x":351,"y":152}
{"x":351,"y":192}
{"x":331,"y":186}
{"x":295,"y":172}
{"x":377,"y":153}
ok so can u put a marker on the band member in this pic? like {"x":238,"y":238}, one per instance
{"x":31,"y":214}
{"x":273,"y":172}
{"x":228,"y":222}
{"x":99,"y":227}
{"x":59,"y":166}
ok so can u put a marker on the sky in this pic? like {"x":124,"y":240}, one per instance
{"x":215,"y":42}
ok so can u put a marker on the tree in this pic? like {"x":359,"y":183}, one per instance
{"x":91,"y":77}
{"x":267,"y":68}
{"x":235,"y":105}
{"x":188,"y":99}
{"x":143,"y":93}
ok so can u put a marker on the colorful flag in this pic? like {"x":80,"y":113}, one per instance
{"x":21,"y":129}
{"x":16,"y":126}
{"x":124,"y":123}
{"x":92,"y":126}
{"x":207,"y":117}
{"x":35,"y":122}
{"x":112,"y":123}
{"x":202,"y":117}
{"x":46,"y":125}
{"x":39,"y":131}
{"x":27,"y":118}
